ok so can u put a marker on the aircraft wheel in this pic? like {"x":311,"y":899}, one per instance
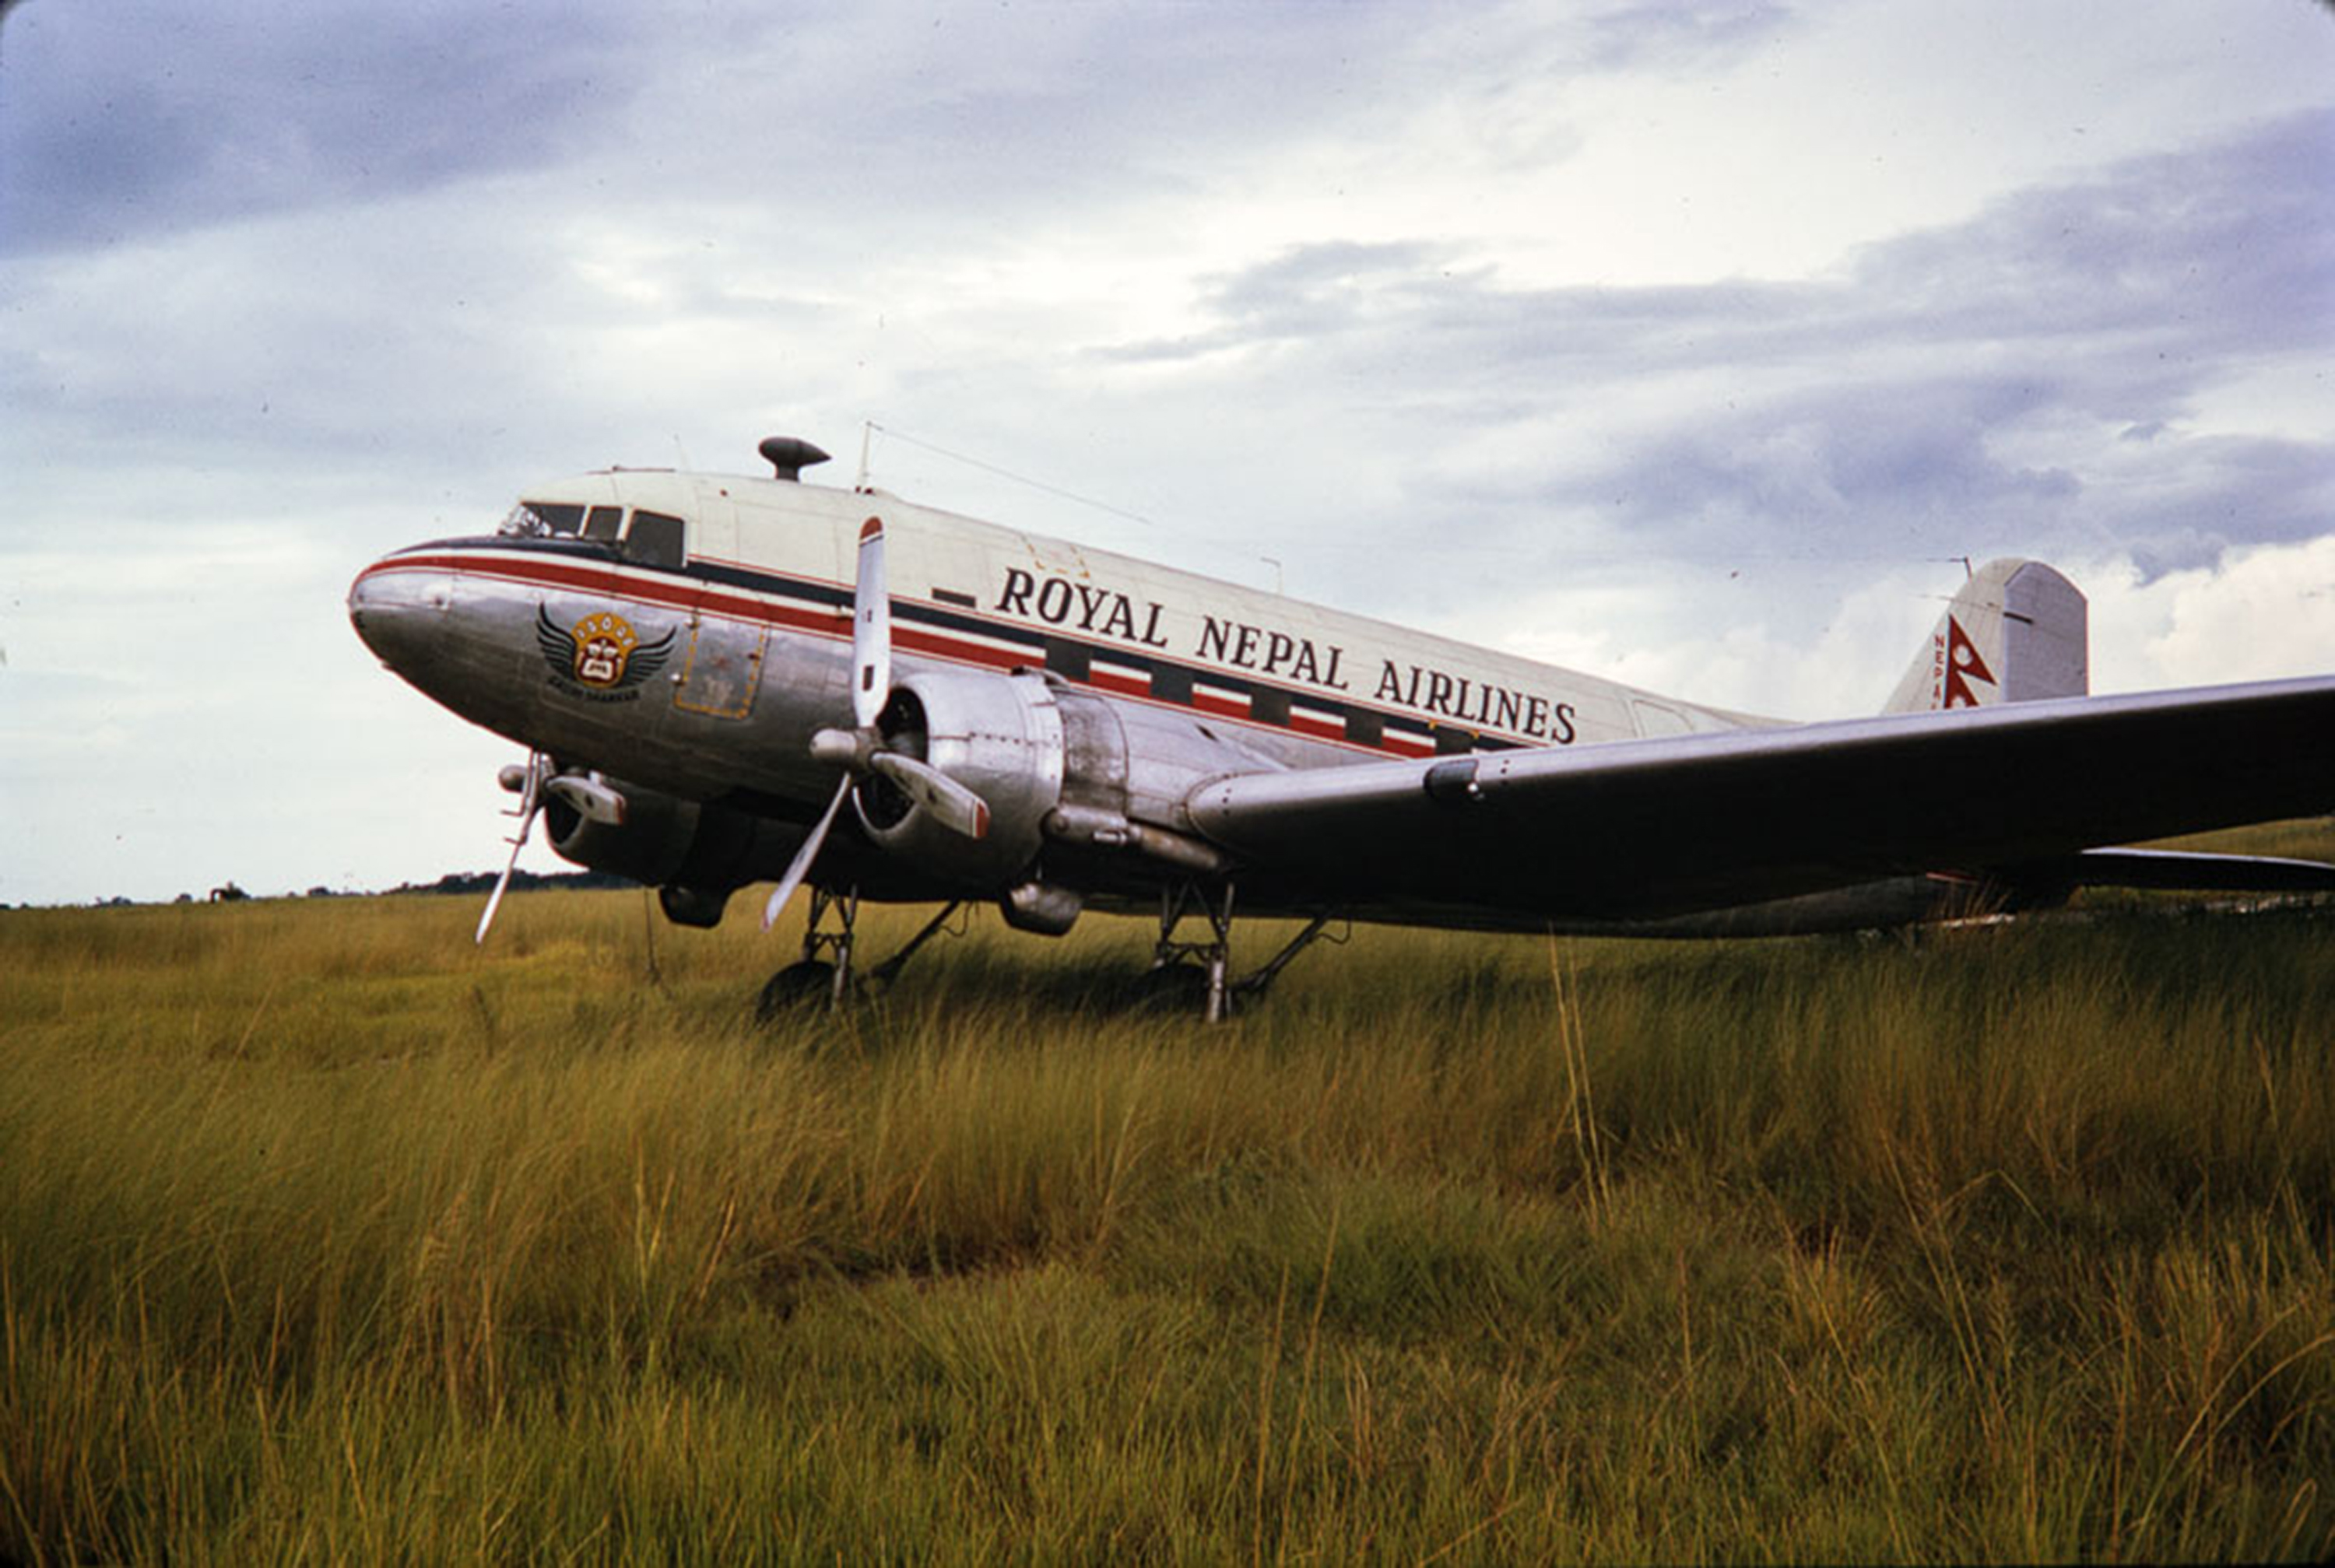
{"x":793,"y":989}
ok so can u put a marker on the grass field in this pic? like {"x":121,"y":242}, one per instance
{"x":323,"y":1236}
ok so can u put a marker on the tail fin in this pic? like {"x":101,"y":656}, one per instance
{"x":2017,"y":630}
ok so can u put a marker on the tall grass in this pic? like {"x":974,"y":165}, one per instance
{"x":322,"y":1235}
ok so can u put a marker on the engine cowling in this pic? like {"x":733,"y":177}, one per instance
{"x":1000,"y":736}
{"x":1075,"y":787}
{"x":698,"y":853}
{"x":1067,"y":776}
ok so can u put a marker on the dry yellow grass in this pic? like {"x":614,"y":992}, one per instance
{"x":322,"y":1235}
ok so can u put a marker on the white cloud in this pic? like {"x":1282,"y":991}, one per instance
{"x":1685,"y":344}
{"x":2265,"y":612}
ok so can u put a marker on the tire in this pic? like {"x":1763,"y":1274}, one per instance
{"x":1170,"y":988}
{"x":794,"y":989}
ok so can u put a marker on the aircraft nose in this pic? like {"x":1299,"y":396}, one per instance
{"x":397,"y":608}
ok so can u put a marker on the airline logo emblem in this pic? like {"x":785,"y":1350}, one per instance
{"x":601,"y":653}
{"x":1964,"y":665}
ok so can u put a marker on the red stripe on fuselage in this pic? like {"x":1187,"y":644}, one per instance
{"x":941,"y":645}
{"x":674,"y":592}
{"x":834,"y":623}
{"x":1118,"y":686}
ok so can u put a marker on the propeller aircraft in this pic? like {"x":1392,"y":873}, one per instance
{"x":723,"y":680}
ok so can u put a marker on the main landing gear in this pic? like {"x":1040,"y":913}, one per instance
{"x":1180,"y":968}
{"x":1182,"y":971}
{"x":824,"y":971}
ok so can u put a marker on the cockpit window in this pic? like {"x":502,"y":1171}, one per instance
{"x":539,"y":519}
{"x":655,"y":539}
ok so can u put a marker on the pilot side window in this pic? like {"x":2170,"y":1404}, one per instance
{"x":655,"y":539}
{"x":602,"y":523}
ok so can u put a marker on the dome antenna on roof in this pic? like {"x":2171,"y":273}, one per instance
{"x":789,"y":455}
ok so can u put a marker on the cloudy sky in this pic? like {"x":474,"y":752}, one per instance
{"x":1691,"y":343}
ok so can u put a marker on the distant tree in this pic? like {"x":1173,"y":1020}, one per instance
{"x":472,"y":883}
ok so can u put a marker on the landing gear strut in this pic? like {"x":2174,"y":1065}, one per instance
{"x":1213,"y":956}
{"x":890,"y":970}
{"x":846,"y":906}
{"x":826,"y":962}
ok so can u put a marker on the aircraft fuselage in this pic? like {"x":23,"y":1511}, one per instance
{"x":684,"y":637}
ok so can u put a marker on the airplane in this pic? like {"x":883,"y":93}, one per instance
{"x":723,"y":680}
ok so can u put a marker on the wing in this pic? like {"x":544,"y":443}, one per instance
{"x":1647,"y":829}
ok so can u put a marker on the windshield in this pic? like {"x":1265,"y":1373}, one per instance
{"x":561,"y":519}
{"x":537,"y":520}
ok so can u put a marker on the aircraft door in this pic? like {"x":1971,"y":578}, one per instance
{"x":723,"y":667}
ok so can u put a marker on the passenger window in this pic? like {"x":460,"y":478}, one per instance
{"x":655,"y":539}
{"x":602,"y":523}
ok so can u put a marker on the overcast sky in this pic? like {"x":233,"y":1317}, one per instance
{"x":1693,"y":344}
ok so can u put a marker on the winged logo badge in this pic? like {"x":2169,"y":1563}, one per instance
{"x":602,"y":651}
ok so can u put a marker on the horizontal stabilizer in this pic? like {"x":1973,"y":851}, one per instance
{"x":2184,"y":871}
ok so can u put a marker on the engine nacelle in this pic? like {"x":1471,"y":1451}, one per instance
{"x":1000,"y":736}
{"x":1076,"y":787}
{"x":706,"y":850}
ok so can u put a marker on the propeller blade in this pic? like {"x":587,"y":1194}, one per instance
{"x":502,"y":884}
{"x":800,"y":865}
{"x":871,"y":628}
{"x":950,"y":802}
{"x":528,"y":786}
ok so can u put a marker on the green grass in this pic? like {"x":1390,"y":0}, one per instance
{"x":323,"y":1236}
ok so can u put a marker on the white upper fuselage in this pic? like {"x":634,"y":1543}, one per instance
{"x":970,"y":592}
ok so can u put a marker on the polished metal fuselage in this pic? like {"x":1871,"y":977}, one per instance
{"x":704,"y":677}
